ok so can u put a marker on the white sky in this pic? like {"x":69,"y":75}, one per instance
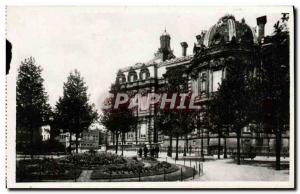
{"x":99,"y":40}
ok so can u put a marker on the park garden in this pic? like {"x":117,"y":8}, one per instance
{"x":103,"y":167}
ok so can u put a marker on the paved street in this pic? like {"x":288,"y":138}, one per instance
{"x":259,"y":169}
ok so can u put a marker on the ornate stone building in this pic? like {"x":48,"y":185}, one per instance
{"x":146,"y":78}
{"x":225,"y":40}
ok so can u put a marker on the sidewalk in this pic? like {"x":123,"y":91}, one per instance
{"x":228,"y":170}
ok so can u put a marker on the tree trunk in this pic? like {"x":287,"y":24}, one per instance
{"x":31,"y":144}
{"x":136,"y":135}
{"x":238,"y":136}
{"x":171,"y":145}
{"x":219,"y":145}
{"x":208,"y":150}
{"x":117,"y":142}
{"x":122,"y":140}
{"x":70,"y":142}
{"x":202,"y":151}
{"x":225,"y":147}
{"x":76,"y":143}
{"x":113,"y":137}
{"x":185,"y":150}
{"x":177,"y":140}
{"x":278,"y":147}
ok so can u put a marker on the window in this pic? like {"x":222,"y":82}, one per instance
{"x":216,"y":80}
{"x":195,"y":86}
{"x":132,"y":78}
{"x":122,"y":79}
{"x":144,"y":76}
{"x":203,"y":82}
{"x":143,"y":130}
{"x":129,"y":135}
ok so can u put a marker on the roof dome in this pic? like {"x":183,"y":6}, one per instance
{"x":227,"y":29}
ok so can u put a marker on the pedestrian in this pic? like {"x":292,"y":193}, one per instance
{"x":190,"y":149}
{"x":169,"y":151}
{"x":145,"y":151}
{"x":140,"y":152}
{"x":152,"y":152}
{"x":156,"y":151}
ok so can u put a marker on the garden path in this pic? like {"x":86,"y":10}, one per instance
{"x":85,"y":176}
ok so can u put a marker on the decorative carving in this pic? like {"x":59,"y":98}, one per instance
{"x":194,"y":74}
{"x":176,"y":60}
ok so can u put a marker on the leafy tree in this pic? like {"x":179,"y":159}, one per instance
{"x":33,"y":109}
{"x":164,"y":123}
{"x":177,"y":121}
{"x":51,"y":146}
{"x":119,"y":120}
{"x":202,"y":121}
{"x":8,"y":55}
{"x":233,"y":105}
{"x":73,"y":113}
{"x":276,"y":84}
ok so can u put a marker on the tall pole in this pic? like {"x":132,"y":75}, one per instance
{"x":202,"y":154}
{"x":137,"y":124}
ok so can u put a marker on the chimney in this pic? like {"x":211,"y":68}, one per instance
{"x":198,"y":37}
{"x":184,"y":46}
{"x":261,"y":21}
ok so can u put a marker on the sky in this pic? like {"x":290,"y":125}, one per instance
{"x":98,"y":41}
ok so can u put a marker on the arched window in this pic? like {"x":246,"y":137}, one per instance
{"x":216,"y":80}
{"x":121,"y":77}
{"x":203,"y":81}
{"x":143,"y":130}
{"x":132,"y":76}
{"x":195,"y":86}
{"x":144,"y":73}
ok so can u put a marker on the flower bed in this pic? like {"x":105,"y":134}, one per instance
{"x":133,"y":171}
{"x":45,"y":169}
{"x":91,"y":161}
{"x":104,"y":166}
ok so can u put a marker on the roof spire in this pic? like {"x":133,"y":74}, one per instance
{"x":165,"y":33}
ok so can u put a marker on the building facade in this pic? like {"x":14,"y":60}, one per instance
{"x":45,"y":132}
{"x":226,"y":40}
{"x":88,"y":140}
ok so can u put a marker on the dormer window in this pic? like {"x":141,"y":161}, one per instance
{"x":144,"y":74}
{"x":132,"y":76}
{"x":121,"y":80}
{"x":121,"y":77}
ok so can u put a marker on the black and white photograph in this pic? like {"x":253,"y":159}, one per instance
{"x":184,"y":97}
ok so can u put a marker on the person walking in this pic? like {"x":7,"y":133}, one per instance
{"x":140,"y":152}
{"x":156,"y":151}
{"x":169,"y":151}
{"x":152,"y":152}
{"x":145,"y":151}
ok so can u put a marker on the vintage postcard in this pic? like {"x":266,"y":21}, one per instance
{"x":150,"y":97}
